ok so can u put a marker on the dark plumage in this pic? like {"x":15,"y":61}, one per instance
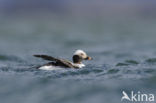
{"x":56,"y":61}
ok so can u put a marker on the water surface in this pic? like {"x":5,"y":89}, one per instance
{"x":124,"y":58}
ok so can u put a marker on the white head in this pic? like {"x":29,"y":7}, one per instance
{"x":80,"y":55}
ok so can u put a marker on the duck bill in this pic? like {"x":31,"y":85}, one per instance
{"x":88,"y":58}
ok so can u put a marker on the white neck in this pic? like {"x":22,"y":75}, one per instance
{"x":81,"y":65}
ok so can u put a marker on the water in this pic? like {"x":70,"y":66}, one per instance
{"x":124,"y":58}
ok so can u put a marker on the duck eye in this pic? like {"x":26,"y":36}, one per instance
{"x":81,"y":54}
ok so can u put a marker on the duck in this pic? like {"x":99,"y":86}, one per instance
{"x":59,"y":63}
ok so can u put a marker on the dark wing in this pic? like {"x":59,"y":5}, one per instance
{"x":46,"y":57}
{"x":58,"y":62}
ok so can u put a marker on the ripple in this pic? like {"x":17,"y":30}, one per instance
{"x":122,"y":64}
{"x":112,"y":71}
{"x":151,"y":60}
{"x":2,"y":57}
{"x":10,"y":58}
{"x":149,"y":70}
{"x":127,"y":63}
{"x":4,"y":69}
{"x":132,"y":62}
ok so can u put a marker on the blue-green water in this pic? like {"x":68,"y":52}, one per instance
{"x":124,"y":59}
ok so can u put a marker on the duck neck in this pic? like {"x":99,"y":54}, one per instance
{"x":77,"y":62}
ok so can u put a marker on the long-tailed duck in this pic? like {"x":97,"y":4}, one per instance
{"x":55,"y":63}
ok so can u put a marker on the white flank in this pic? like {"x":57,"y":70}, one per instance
{"x":50,"y":68}
{"x":79,"y":65}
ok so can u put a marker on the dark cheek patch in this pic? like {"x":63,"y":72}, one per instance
{"x":77,"y":59}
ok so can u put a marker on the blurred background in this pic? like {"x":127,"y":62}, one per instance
{"x":75,"y":22}
{"x":119,"y":35}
